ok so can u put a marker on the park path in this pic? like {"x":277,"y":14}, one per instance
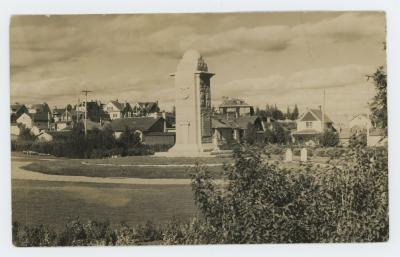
{"x":17,"y":172}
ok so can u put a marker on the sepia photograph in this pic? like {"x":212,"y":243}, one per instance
{"x":199,"y":128}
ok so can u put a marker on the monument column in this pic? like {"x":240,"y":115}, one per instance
{"x":193,"y":106}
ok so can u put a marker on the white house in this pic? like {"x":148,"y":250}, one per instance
{"x":118,"y":110}
{"x":310,"y":125}
{"x":44,"y":137}
{"x":360,"y":122}
{"x":26,"y":120}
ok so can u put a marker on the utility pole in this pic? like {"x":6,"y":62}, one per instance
{"x":86,"y":93}
{"x":323,"y":112}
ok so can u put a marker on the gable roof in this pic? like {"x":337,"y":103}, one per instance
{"x":118,"y":105}
{"x":136,"y":123}
{"x":316,"y":114}
{"x":361,"y":115}
{"x":16,"y":107}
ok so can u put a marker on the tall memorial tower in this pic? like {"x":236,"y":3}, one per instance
{"x":192,"y":106}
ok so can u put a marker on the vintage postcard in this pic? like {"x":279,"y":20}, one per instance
{"x":223,"y":128}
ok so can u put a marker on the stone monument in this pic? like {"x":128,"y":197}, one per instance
{"x":193,"y":106}
{"x":289,"y":155}
{"x":303,"y":155}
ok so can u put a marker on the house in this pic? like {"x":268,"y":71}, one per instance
{"x":149,"y":109}
{"x":95,"y":111}
{"x":118,"y":110}
{"x":376,"y":137}
{"x":360,"y":122}
{"x":16,"y":110}
{"x":234,"y":107}
{"x":311,"y":124}
{"x":44,"y":137}
{"x":233,"y":129}
{"x":142,"y":125}
{"x":25,"y":119}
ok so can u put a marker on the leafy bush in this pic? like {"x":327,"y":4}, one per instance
{"x":264,"y":203}
{"x":358,"y":139}
{"x":329,"y":138}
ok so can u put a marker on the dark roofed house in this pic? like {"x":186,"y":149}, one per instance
{"x":235,"y":107}
{"x":143,"y":125}
{"x":16,"y":110}
{"x":230,"y":129}
{"x":146,"y":109}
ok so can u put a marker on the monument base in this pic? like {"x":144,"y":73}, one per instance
{"x":188,"y":150}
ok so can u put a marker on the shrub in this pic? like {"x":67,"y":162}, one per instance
{"x":358,"y":140}
{"x":329,"y":138}
{"x":264,"y":203}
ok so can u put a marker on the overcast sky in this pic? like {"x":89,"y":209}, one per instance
{"x":265,"y":58}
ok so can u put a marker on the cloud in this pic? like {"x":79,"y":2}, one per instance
{"x":300,"y":87}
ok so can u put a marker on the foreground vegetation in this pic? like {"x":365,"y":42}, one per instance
{"x":261,"y":203}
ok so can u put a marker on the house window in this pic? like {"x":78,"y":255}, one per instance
{"x":309,"y":124}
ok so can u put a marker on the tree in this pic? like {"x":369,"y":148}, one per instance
{"x":295,"y":113}
{"x":128,"y":139}
{"x":358,"y":140}
{"x":251,"y":134}
{"x":329,"y":138}
{"x":25,"y":133}
{"x":281,"y":135}
{"x":288,"y":114}
{"x":69,"y":107}
{"x":378,"y":106}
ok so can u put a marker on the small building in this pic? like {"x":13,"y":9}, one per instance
{"x":234,"y":107}
{"x":228,"y":129}
{"x":142,"y":125}
{"x":309,"y":126}
{"x":376,"y":137}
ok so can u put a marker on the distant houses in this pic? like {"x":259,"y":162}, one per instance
{"x":117,"y":110}
{"x":148,"y":109}
{"x":229,"y":123}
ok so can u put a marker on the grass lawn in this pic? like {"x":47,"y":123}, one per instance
{"x":54,"y":203}
{"x":76,"y":168}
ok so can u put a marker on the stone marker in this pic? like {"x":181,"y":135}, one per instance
{"x":193,"y":106}
{"x":288,"y":155}
{"x":303,"y":154}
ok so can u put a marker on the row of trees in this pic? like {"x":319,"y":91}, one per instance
{"x":96,"y":144}
{"x":274,"y":113}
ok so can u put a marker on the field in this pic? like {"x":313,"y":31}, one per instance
{"x":53,"y":203}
